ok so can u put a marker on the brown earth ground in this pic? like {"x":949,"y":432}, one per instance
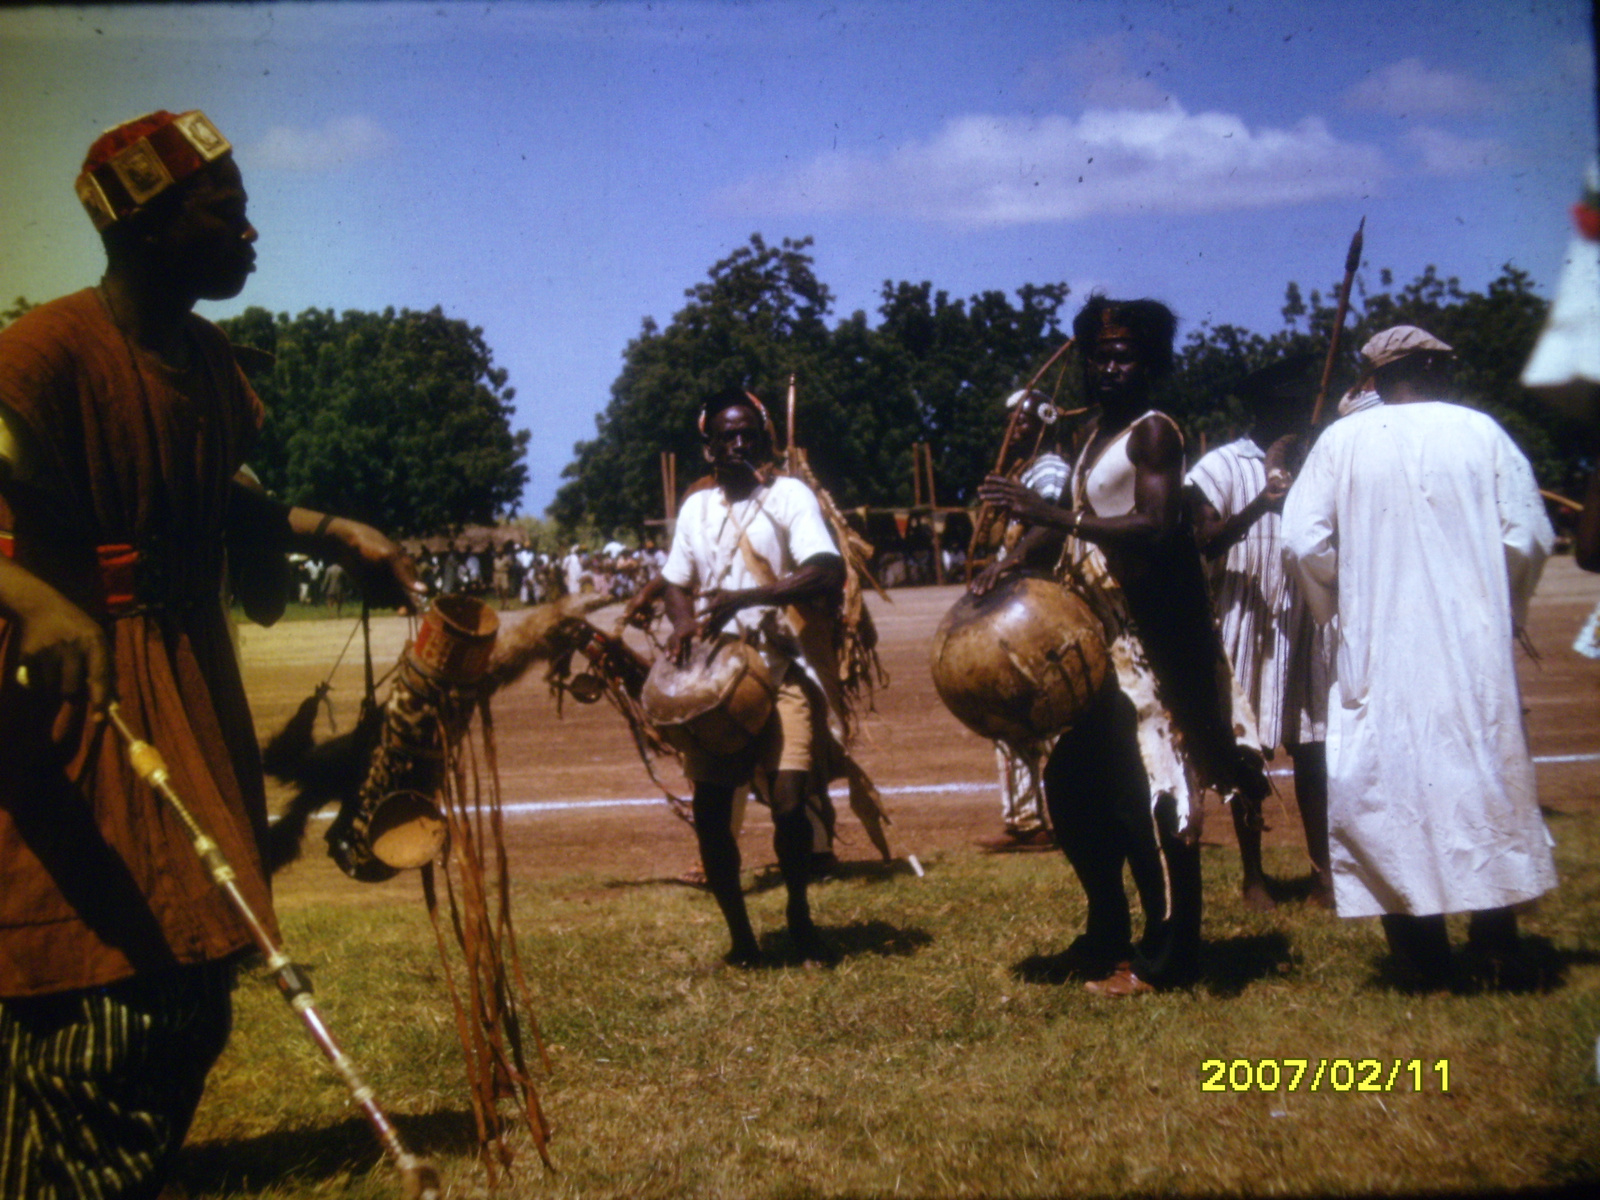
{"x":938,"y":779}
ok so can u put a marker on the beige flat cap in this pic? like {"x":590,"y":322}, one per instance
{"x":1400,"y":341}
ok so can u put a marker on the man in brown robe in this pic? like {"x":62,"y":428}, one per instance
{"x":123,"y":422}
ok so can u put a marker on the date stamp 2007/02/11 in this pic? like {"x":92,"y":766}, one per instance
{"x":1324,"y":1074}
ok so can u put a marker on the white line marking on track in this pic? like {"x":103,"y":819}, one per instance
{"x":924,"y":789}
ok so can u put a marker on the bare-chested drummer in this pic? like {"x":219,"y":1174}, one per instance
{"x":742,"y":551}
{"x":1122,"y":784}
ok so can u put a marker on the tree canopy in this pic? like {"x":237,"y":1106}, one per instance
{"x":937,"y":370}
{"x":1492,"y":332}
{"x":932,"y":370}
{"x":398,"y":419}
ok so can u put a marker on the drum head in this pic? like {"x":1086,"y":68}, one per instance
{"x":675,"y":695}
{"x":718,"y":702}
{"x":407,"y":831}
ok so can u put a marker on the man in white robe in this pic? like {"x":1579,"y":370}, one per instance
{"x":1419,"y":524}
{"x":1273,"y":646}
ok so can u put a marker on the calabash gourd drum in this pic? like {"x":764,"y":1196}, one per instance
{"x":717,"y":703}
{"x":1020,"y":663}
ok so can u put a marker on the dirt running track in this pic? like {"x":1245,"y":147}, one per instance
{"x":938,"y":779}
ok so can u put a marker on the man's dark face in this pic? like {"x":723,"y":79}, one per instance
{"x":737,"y":438}
{"x":1028,"y":428}
{"x":1282,"y":410}
{"x":1116,"y":371}
{"x":1429,"y":373}
{"x":208,"y":243}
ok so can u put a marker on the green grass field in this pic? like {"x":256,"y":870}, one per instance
{"x":935,"y":1060}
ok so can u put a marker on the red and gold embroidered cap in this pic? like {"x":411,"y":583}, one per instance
{"x":132,"y":164}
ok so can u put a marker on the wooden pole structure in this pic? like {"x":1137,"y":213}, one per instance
{"x":933,"y":515}
{"x":1352,"y":260}
{"x":788,"y":444}
{"x":669,"y":490}
{"x":1564,"y":502}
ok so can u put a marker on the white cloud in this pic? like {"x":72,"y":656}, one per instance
{"x":1410,"y":88}
{"x":1445,"y":153}
{"x":339,"y":143}
{"x":990,"y":170}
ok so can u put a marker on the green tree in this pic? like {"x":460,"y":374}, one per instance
{"x":760,"y":317}
{"x":957,"y":361}
{"x":398,"y":419}
{"x":1492,"y":331}
{"x":936,"y":369}
{"x":932,"y":369}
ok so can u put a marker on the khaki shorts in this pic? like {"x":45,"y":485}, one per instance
{"x":784,"y":744}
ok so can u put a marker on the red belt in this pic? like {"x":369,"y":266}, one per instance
{"x":117,"y":590}
{"x":118,"y":569}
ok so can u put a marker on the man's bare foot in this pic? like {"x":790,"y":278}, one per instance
{"x":1257,"y":898}
{"x":1321,"y":893}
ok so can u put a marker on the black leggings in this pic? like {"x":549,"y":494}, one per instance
{"x":1099,"y":799}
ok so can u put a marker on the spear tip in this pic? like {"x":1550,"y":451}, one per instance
{"x":1352,"y":260}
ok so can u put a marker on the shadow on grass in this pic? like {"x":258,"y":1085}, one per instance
{"x":855,"y":940}
{"x":1227,"y":965}
{"x":1067,"y":966}
{"x":878,"y":938}
{"x":767,"y":877}
{"x":314,"y":1154}
{"x":872,"y":870}
{"x":1292,"y":891}
{"x":1537,"y":966}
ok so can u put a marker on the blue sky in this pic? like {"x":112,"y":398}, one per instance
{"x":556,"y":172}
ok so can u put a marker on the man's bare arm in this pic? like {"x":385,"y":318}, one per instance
{"x":1156,"y":451}
{"x":383,"y":570}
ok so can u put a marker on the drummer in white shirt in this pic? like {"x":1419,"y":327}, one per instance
{"x":742,"y":551}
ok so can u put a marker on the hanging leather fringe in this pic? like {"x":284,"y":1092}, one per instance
{"x":482,"y":967}
{"x":412,"y":761}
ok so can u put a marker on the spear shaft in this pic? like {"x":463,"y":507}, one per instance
{"x":1352,"y":260}
{"x":419,"y":1178}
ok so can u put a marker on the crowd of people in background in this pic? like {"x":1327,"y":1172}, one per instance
{"x":504,"y":574}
